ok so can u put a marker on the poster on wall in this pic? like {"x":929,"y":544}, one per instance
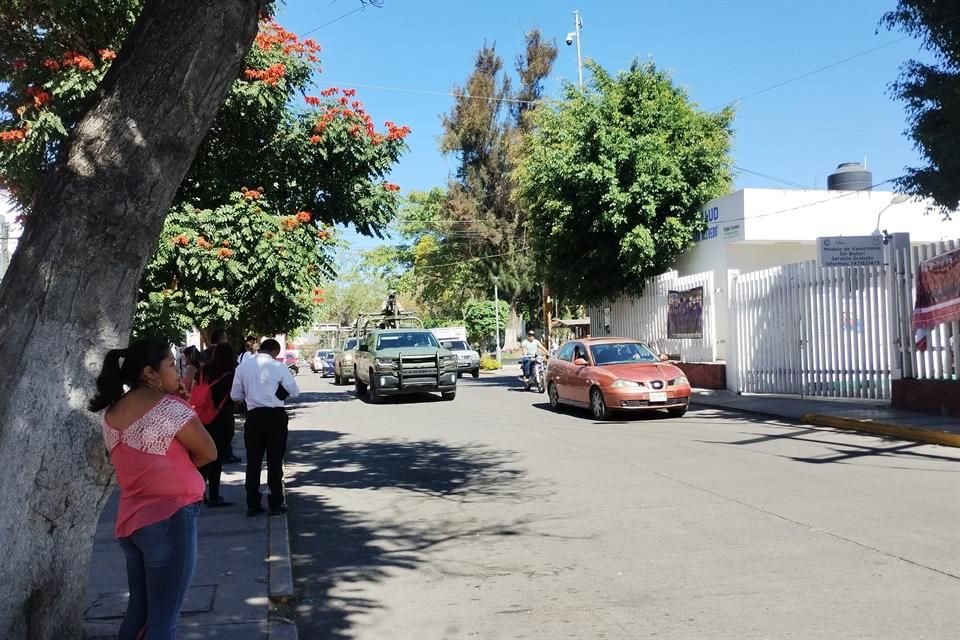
{"x":938,"y":294}
{"x":685,"y":314}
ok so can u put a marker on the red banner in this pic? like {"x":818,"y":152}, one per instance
{"x":938,"y":293}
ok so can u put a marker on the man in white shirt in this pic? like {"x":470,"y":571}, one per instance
{"x":263,"y":384}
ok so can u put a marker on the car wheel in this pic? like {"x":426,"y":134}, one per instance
{"x":375,"y":396}
{"x":677,"y":412}
{"x":598,"y":407}
{"x":448,"y":395}
{"x":476,"y":373}
{"x":554,"y":396}
{"x":359,"y":385}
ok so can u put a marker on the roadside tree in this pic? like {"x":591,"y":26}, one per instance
{"x":931,"y":92}
{"x":614,"y":178}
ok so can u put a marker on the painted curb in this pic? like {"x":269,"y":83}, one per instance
{"x":280,"y":589}
{"x":280,"y":570}
{"x":916,"y":434}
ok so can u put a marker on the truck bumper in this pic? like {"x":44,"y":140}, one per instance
{"x":389,"y":384}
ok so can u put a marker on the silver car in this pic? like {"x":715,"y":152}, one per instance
{"x":468,"y":360}
{"x":343,"y":361}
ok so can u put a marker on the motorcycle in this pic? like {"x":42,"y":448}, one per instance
{"x":537,"y":374}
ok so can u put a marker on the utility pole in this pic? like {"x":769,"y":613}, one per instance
{"x":547,"y":315}
{"x":575,"y":35}
{"x":4,"y":245}
{"x":496,"y":311}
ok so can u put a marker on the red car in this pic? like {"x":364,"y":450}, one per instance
{"x":615,"y":374}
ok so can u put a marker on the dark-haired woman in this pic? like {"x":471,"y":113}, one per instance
{"x":218,"y":372}
{"x":156,"y":443}
{"x":191,"y":367}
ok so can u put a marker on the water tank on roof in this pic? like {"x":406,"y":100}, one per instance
{"x":850,"y":176}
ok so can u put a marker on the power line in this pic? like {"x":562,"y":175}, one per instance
{"x":327,"y":24}
{"x":487,"y":257}
{"x":769,"y":177}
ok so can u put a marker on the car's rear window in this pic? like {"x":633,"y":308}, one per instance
{"x":621,"y":353}
{"x":406,"y":340}
{"x":455,"y":345}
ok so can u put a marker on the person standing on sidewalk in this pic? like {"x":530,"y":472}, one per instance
{"x":156,"y":442}
{"x":218,"y":373}
{"x":264,"y":384}
{"x":249,"y":349}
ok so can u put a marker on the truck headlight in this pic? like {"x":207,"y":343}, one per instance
{"x":385,"y":364}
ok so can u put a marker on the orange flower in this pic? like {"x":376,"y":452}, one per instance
{"x":315,"y":139}
{"x":391,"y":187}
{"x":13,"y":135}
{"x":225,"y":243}
{"x":40,"y":97}
{"x":313,"y":101}
{"x":181,"y":240}
{"x":51,"y":64}
{"x":224,"y":254}
{"x":202,"y":243}
{"x":289,"y":223}
{"x":81,"y":62}
{"x":317,"y":291}
{"x":19,"y":65}
{"x":107,"y":54}
{"x":304,"y":216}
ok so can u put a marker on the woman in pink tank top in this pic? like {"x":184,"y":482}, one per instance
{"x":156,"y":443}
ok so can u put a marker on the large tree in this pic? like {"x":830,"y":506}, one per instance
{"x":932,"y":95}
{"x":614,"y":178}
{"x":70,"y":291}
{"x":319,"y":159}
{"x":481,"y":218}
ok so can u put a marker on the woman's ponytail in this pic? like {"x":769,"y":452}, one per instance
{"x":110,"y":381}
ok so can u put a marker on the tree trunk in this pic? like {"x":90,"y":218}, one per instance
{"x":511,"y":339}
{"x":70,"y":292}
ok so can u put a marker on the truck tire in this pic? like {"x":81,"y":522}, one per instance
{"x":358,"y":385}
{"x":372,"y":394}
{"x":448,"y":395}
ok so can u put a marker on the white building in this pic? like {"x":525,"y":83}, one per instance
{"x":10,"y":230}
{"x":755,"y":229}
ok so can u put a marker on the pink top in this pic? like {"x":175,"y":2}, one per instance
{"x":154,"y":470}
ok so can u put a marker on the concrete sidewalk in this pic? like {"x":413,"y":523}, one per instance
{"x":241,"y":587}
{"x":869,"y":416}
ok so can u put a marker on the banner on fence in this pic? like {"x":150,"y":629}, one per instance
{"x":938,"y":294}
{"x":685,"y":314}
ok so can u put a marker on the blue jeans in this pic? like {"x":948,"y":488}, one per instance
{"x":160,"y":562}
{"x":526,"y":363}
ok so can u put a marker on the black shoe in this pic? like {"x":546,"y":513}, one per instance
{"x":278,"y":511}
{"x":255,"y":512}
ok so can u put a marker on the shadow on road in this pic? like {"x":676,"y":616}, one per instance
{"x":842,"y":452}
{"x":336,"y":553}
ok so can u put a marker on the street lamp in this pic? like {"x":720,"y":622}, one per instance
{"x":575,"y":35}
{"x":899,"y":198}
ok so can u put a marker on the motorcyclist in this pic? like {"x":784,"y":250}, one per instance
{"x":531,"y":347}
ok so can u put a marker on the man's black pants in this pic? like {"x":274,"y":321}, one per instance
{"x":265,"y":431}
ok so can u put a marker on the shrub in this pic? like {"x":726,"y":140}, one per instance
{"x":489,"y":363}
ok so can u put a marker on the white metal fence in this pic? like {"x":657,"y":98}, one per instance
{"x":806,"y":330}
{"x":645,"y":317}
{"x":940,"y":360}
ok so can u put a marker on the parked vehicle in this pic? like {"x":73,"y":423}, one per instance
{"x":392,"y":362}
{"x":322,"y":362}
{"x":615,"y":374}
{"x":537,"y":374}
{"x":468,"y":360}
{"x":343,"y":361}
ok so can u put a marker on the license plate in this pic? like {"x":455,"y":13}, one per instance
{"x":658,"y":396}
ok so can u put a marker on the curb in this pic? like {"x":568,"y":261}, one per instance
{"x":280,"y":588}
{"x":916,"y":434}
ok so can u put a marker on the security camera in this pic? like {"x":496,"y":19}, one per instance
{"x":570,"y":37}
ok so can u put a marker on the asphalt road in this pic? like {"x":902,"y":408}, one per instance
{"x":492,"y":517}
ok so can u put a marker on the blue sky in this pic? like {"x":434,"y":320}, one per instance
{"x":406,"y":57}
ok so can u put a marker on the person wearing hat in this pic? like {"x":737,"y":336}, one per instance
{"x":531,"y":347}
